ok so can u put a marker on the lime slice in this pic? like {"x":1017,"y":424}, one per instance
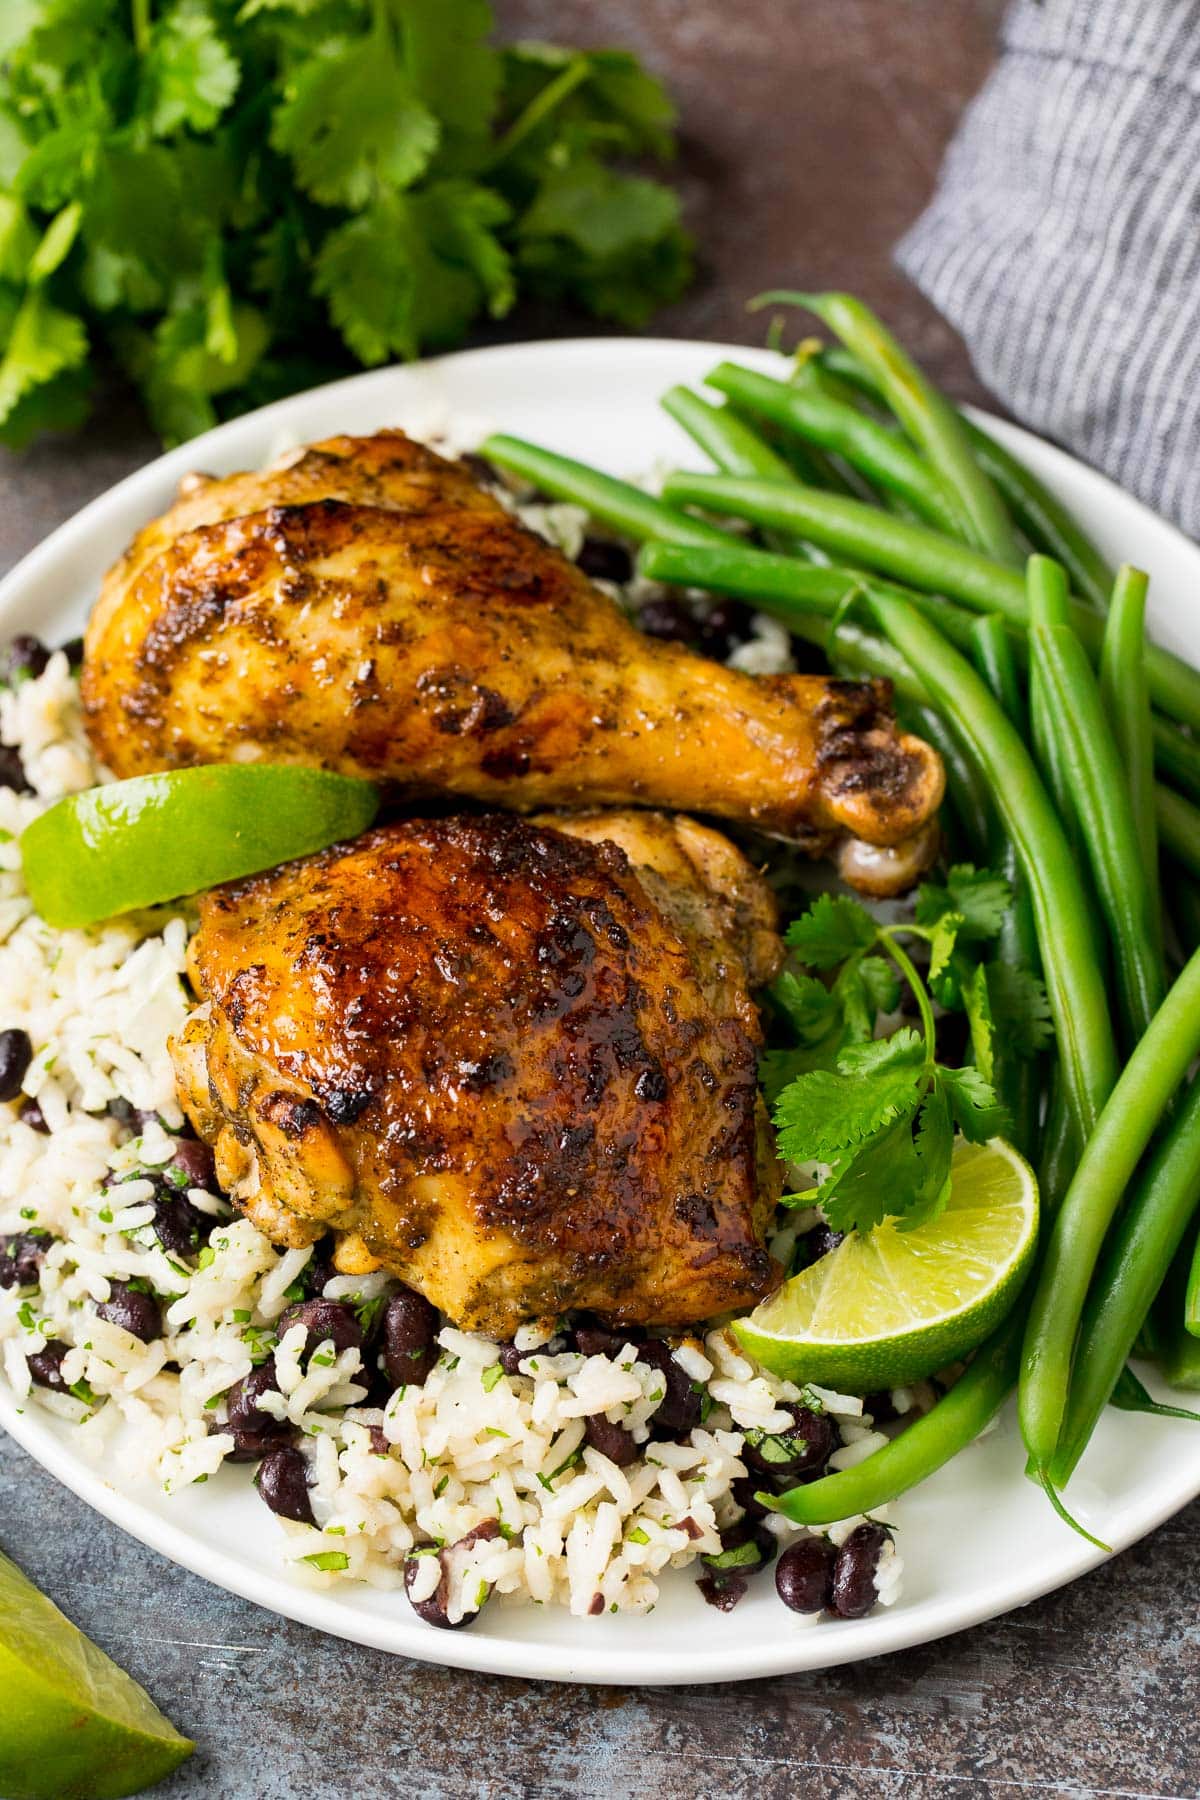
{"x":72,"y":1725}
{"x":891,"y":1307}
{"x":135,"y":843}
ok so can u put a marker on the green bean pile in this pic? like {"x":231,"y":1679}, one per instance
{"x":906,"y":542}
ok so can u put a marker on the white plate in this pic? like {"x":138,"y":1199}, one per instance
{"x":976,"y":1539}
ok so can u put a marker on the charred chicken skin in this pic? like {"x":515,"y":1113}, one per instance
{"x":511,"y":1062}
{"x":368,"y":607}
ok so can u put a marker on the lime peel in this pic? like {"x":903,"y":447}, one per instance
{"x":136,"y":843}
{"x":891,"y":1307}
{"x":73,"y":1726}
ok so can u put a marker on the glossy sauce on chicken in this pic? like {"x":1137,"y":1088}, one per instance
{"x":367,"y":607}
{"x":513,"y":1063}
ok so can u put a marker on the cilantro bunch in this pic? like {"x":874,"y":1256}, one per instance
{"x":880,"y":1113}
{"x":243,"y":197}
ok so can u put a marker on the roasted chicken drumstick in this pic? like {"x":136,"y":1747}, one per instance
{"x":511,"y":1062}
{"x":370,"y":608}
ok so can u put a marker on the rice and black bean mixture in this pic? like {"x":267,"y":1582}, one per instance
{"x":570,"y":1469}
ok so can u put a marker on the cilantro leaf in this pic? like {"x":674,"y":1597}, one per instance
{"x":942,"y":943}
{"x":977,"y":1111}
{"x":978,"y":1008}
{"x":832,"y":929}
{"x":246,"y":196}
{"x":875,"y":1180}
{"x":826,"y":1112}
{"x":43,"y":342}
{"x":812,"y":1010}
{"x":935,"y":1152}
{"x":1020,"y":1008}
{"x":353,"y":124}
{"x":188,"y":73}
{"x":978,"y":896}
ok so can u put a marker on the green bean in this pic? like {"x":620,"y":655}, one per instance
{"x":993,"y":654}
{"x":733,"y":445}
{"x":1178,"y":757}
{"x":1178,"y":827}
{"x":1184,"y":890}
{"x":1087,"y":763}
{"x":1060,"y":1146}
{"x":923,"y":1447}
{"x":1074,"y":983}
{"x":1015,"y":1077}
{"x":1135,"y":1265}
{"x":1181,"y":1361}
{"x":1046,"y":522}
{"x":927,"y":416}
{"x":804,"y":408}
{"x":919,"y":556}
{"x":1131,"y":1396}
{"x":1126,"y":704}
{"x":777,"y":583}
{"x":1048,"y":603}
{"x":1112,"y":1151}
{"x":965,"y":787}
{"x":615,"y":503}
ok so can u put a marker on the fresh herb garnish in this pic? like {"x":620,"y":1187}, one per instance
{"x":881,"y":1113}
{"x":219,"y":193}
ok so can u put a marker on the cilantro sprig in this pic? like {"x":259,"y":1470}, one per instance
{"x":240,"y":197}
{"x":880,"y":1113}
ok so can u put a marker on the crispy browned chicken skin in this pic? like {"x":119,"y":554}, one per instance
{"x":369,"y":608}
{"x":513,"y":1064}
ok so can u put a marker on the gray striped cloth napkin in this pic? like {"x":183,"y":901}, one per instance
{"x":1064,"y":238}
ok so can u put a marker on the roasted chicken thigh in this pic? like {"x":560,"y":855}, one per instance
{"x":368,"y":607}
{"x":511,"y":1062}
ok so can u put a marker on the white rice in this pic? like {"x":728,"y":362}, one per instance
{"x":473,"y":1445}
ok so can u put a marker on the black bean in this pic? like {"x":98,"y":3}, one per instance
{"x":192,"y":1159}
{"x":31,"y":1114}
{"x":798,"y":1453}
{"x":804,"y":1575}
{"x":745,"y":1492}
{"x":180,"y":1227}
{"x":480,"y":469}
{"x":669,"y":619}
{"x":605,"y":560}
{"x":16,"y":1054}
{"x":815,"y":1244}
{"x":678,"y":1412}
{"x":21,"y":1254}
{"x":46,"y":1366}
{"x":73,"y":651}
{"x":591,"y":1338}
{"x":880,"y":1407}
{"x":726,"y":626}
{"x":254,"y":1431}
{"x":723,"y":1588}
{"x":26,"y":656}
{"x":12,"y":770}
{"x":319,"y":1268}
{"x":241,"y":1402}
{"x":854,"y":1590}
{"x":410,"y":1327}
{"x":282,"y":1480}
{"x":749,"y":1530}
{"x":511,"y":1358}
{"x":433,"y":1609}
{"x":133,"y":1310}
{"x":326,"y":1321}
{"x":610,"y":1440}
{"x":126,"y":1113}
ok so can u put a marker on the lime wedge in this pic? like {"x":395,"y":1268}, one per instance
{"x":72,"y":1725}
{"x":157,"y":837}
{"x":891,"y":1307}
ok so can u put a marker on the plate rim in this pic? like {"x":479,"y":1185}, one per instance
{"x":483,"y":1650}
